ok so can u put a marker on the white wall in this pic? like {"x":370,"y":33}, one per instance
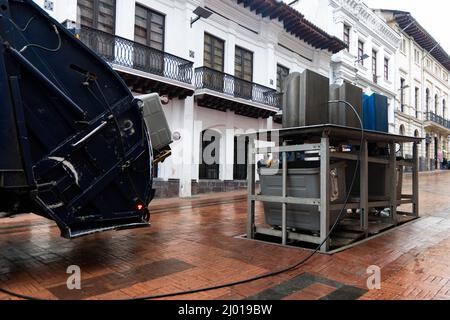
{"x":319,"y":12}
{"x":62,"y":9}
{"x":418,"y":74}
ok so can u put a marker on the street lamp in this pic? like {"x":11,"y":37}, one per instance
{"x":201,"y":13}
{"x":364,"y":57}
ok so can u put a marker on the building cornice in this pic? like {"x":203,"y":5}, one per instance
{"x":409,"y":25}
{"x":294,"y":23}
{"x":364,"y":16}
{"x":429,"y":75}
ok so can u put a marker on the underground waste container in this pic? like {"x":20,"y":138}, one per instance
{"x":301,"y":183}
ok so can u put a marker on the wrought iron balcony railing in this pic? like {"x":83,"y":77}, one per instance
{"x":438,"y":119}
{"x":207,"y":78}
{"x":127,"y":53}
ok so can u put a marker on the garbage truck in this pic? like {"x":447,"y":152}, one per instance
{"x":76,"y":146}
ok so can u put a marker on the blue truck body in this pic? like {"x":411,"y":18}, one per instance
{"x":73,"y":144}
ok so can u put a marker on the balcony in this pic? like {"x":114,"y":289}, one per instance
{"x":221,"y":91}
{"x":144,"y":69}
{"x":433,"y":120}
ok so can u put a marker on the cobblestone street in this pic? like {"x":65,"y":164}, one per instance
{"x":193,"y":243}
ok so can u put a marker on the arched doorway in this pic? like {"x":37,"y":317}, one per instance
{"x":209,"y":168}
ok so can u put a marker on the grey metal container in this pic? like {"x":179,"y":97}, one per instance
{"x":341,"y":114}
{"x":380,"y":179}
{"x":301,"y":183}
{"x":160,"y":134}
{"x":291,"y":101}
{"x":305,"y":99}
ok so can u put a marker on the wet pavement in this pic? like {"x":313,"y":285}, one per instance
{"x":193,"y":243}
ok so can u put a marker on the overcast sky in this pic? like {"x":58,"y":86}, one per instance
{"x":433,"y":15}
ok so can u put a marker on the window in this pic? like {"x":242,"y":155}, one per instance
{"x":243,"y":69}
{"x":427,"y":100}
{"x":149,"y":28}
{"x":403,"y":46}
{"x":243,"y":64}
{"x":98,"y":14}
{"x":148,"y":31}
{"x":402,"y":94}
{"x":416,"y":101}
{"x":282,"y":73}
{"x":374,"y":66}
{"x":213,"y":58}
{"x":214,"y":52}
{"x":386,"y":69}
{"x":416,"y":56}
{"x":436,"y":104}
{"x":444,"y":109}
{"x":361,"y":52}
{"x":346,"y":37}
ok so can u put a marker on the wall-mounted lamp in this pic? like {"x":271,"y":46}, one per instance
{"x":364,"y":57}
{"x":201,"y":13}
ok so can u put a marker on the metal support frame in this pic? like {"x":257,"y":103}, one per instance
{"x":325,"y":193}
{"x":393,"y":173}
{"x":284,"y":195}
{"x":415,"y":181}
{"x":251,"y":188}
{"x":324,"y":202}
{"x":364,"y":188}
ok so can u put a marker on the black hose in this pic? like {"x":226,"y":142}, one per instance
{"x":38,"y":46}
{"x":24,"y":28}
{"x":297,"y":264}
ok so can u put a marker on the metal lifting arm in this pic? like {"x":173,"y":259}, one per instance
{"x":75,"y":144}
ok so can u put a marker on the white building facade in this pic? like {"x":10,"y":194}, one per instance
{"x":221,"y":73}
{"x":370,"y":60}
{"x":423,"y":89}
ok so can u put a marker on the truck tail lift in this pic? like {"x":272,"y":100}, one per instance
{"x":75,"y":145}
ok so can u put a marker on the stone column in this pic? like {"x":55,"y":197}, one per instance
{"x":188,"y":142}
